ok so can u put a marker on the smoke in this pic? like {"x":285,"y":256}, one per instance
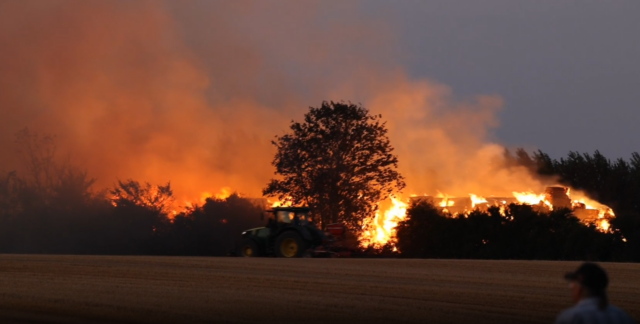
{"x":192,"y":92}
{"x":444,"y":144}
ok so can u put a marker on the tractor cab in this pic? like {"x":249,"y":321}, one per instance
{"x":290,"y":216}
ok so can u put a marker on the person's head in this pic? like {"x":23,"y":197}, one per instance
{"x":588,"y":281}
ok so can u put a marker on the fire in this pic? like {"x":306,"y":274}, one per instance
{"x":529,"y":198}
{"x":286,"y":202}
{"x":604,"y":225}
{"x":223,"y":193}
{"x":446,"y":202}
{"x":382,"y":229}
{"x":592,"y":205}
{"x":476,"y":200}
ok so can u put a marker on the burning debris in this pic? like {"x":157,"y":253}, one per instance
{"x":381,"y":229}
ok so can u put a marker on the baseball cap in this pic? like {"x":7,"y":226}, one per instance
{"x":590,"y":275}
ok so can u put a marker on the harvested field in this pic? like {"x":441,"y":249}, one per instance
{"x":103,"y":289}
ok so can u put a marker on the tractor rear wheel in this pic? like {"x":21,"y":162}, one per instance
{"x":248,"y":248}
{"x":290,"y":245}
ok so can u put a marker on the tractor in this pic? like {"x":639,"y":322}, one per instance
{"x":290,"y":233}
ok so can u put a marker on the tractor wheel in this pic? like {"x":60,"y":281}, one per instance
{"x":290,"y":245}
{"x":248,"y":248}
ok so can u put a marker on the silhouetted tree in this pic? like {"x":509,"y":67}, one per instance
{"x":50,"y":208}
{"x":141,"y":214}
{"x":338,"y":161}
{"x":133,"y":193}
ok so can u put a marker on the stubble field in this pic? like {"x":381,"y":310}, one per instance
{"x":103,"y":289}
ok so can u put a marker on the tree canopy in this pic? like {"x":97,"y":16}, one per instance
{"x":338,"y":161}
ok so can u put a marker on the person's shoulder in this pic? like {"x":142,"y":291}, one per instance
{"x":567,"y":316}
{"x":576,"y":314}
{"x":619,"y":313}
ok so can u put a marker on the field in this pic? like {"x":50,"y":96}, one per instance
{"x":102,"y":289}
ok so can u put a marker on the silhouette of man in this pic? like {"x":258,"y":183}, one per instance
{"x":588,"y":285}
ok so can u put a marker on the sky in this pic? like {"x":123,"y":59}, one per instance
{"x":193,"y":91}
{"x":569,"y":71}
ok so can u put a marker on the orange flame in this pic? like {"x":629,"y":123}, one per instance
{"x":223,"y":193}
{"x":476,"y":200}
{"x":529,"y":198}
{"x":604,"y":225}
{"x":382,"y":229}
{"x":286,"y":202}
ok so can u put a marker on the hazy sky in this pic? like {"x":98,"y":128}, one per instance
{"x":569,"y":71}
{"x":198,"y":88}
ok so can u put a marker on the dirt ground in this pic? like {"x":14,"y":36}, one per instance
{"x":102,"y":289}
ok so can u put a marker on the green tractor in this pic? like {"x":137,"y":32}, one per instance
{"x":289,"y":234}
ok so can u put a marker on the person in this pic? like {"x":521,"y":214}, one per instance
{"x":588,"y":286}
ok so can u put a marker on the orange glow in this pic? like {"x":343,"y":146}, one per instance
{"x":446,"y":202}
{"x":529,"y":198}
{"x":476,"y":200}
{"x":286,"y":202}
{"x":592,"y":205}
{"x":604,"y":225}
{"x":382,"y":229}
{"x":223,"y":193}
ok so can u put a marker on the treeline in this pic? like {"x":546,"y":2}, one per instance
{"x":524,"y":233}
{"x":615,"y":183}
{"x":50,"y":207}
{"x":133,"y":219}
{"x":521,"y":233}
